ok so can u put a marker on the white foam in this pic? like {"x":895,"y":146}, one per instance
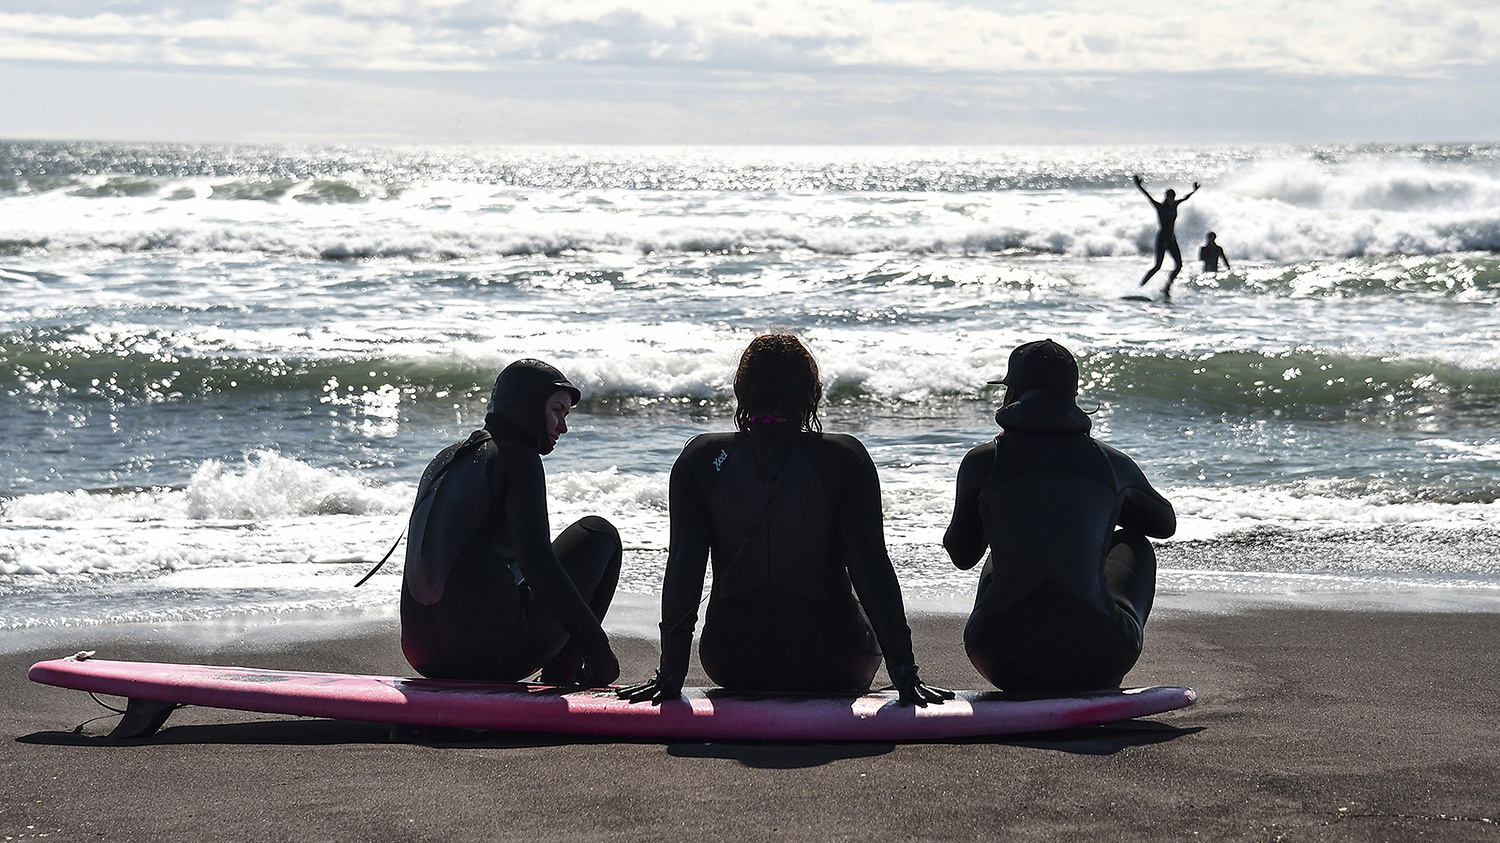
{"x":1207,"y":511}
{"x":268,"y":485}
{"x":265,"y":485}
{"x":1273,"y":207}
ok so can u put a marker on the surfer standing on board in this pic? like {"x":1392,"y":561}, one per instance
{"x":791,"y":518}
{"x":487,"y":594}
{"x":1166,"y":237}
{"x":1063,"y":599}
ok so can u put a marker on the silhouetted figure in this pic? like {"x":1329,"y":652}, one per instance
{"x":488,"y":594}
{"x":1070,"y":576}
{"x":1211,"y":253}
{"x":804,"y":596}
{"x":1166,"y":238}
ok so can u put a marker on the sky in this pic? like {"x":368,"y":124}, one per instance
{"x":924,"y":72}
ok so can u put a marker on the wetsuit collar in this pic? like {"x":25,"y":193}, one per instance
{"x":1040,"y":412}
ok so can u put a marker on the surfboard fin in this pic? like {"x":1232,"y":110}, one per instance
{"x":143,"y":718}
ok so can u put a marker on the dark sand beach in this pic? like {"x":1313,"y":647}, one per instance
{"x":1313,"y":724}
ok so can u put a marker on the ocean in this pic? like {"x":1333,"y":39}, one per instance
{"x":224,"y":367}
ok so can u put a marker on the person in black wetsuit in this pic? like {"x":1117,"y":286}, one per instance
{"x":1166,"y":237}
{"x":1211,"y":253}
{"x":1063,"y":599}
{"x":792,"y":520}
{"x":486,"y":594}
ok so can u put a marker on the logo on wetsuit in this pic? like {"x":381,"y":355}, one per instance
{"x":719,"y":460}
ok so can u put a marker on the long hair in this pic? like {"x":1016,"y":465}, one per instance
{"x":777,"y":376}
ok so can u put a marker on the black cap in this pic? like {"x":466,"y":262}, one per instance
{"x":1042,"y":364}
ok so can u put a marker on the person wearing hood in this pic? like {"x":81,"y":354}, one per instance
{"x":487,"y":594}
{"x":1063,"y":598}
{"x":804,"y":596}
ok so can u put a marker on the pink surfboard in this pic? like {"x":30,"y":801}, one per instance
{"x":154,"y":690}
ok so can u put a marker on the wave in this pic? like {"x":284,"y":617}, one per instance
{"x":1266,"y":204}
{"x":156,"y":366}
{"x":1263,"y":233}
{"x":264,"y":486}
{"x":1296,"y":385}
{"x":1259,"y":235}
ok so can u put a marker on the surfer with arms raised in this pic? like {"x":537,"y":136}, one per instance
{"x":487,"y":593}
{"x":791,"y":518}
{"x":1166,"y":236}
{"x":1063,"y":598}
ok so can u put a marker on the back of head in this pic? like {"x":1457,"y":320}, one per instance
{"x":1043,"y":365}
{"x":777,"y":379}
{"x":519,"y":399}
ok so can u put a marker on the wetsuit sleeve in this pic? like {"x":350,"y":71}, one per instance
{"x":687,"y":563}
{"x":1143,"y":510}
{"x":862,"y":529}
{"x":965,"y":540}
{"x":525,"y":505}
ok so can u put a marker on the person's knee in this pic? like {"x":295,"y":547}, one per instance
{"x":600,"y":526}
{"x":1120,"y":553}
{"x":1135,"y":542}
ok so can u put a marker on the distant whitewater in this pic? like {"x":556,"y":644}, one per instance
{"x":224,"y":367}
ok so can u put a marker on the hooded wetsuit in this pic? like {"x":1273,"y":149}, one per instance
{"x":793,"y":523}
{"x":486,"y":593}
{"x":1064,"y":597}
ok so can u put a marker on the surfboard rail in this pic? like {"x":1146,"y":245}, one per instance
{"x":701,"y":714}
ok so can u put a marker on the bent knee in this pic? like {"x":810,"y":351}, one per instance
{"x":599,"y":526}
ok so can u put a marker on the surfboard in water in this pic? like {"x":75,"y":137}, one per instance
{"x":154,"y":690}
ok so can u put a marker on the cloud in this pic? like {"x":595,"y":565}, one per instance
{"x":1289,"y":37}
{"x":750,"y":71}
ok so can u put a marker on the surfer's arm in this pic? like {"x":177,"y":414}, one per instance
{"x":861,"y":531}
{"x":965,"y":539}
{"x":526,"y":516}
{"x":1143,"y":509}
{"x":861,"y":526}
{"x":1142,"y":188}
{"x":1189,"y":193}
{"x":682,"y":585}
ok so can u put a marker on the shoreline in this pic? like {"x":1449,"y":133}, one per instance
{"x":1367,"y":569}
{"x":635,"y":615}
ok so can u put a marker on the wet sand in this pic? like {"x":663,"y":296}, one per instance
{"x":1313,"y":724}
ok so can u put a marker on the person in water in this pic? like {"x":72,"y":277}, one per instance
{"x":1211,"y":253}
{"x":1166,"y":236}
{"x":792,"y":520}
{"x":487,"y":594}
{"x":1063,"y":599}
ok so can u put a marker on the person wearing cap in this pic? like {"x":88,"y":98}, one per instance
{"x":804,"y":596}
{"x":1063,"y":599}
{"x":487,"y":594}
